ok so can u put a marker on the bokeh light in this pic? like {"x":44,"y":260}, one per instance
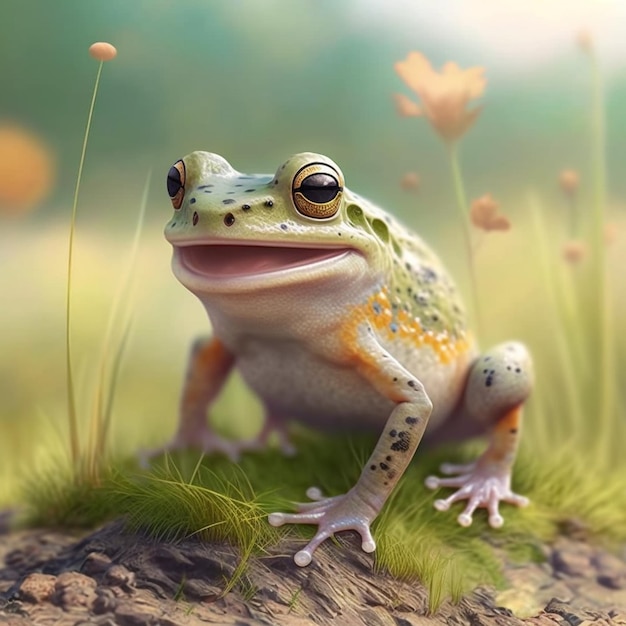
{"x":26,"y":169}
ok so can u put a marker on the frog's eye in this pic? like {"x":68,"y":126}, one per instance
{"x":176,"y":183}
{"x":317,"y":189}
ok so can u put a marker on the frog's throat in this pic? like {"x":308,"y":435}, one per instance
{"x":216,"y":265}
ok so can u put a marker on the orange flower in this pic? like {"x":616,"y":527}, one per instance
{"x":410,"y":181}
{"x":569,"y":182}
{"x":574,"y":251}
{"x":584,"y":40}
{"x":405,"y":106}
{"x":102,"y":51}
{"x":26,"y":170}
{"x":444,"y":95}
{"x":484,"y":214}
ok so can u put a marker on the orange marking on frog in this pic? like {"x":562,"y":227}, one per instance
{"x":409,"y":328}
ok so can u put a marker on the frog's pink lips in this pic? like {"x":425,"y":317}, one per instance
{"x":215,"y":262}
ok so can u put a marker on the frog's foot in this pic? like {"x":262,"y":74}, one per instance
{"x":332,"y":515}
{"x":204,"y":440}
{"x":482,"y":485}
{"x":273,"y":425}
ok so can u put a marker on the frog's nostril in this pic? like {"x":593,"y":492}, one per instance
{"x":229,"y":219}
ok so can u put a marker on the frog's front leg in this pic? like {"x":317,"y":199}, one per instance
{"x":357,"y":509}
{"x":498,"y":384}
{"x":209,"y":365}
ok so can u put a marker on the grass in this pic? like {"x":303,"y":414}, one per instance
{"x":570,"y":463}
{"x":214,"y":499}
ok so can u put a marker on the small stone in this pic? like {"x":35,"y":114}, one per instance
{"x":95,"y":563}
{"x":73,"y":589}
{"x":197,"y":589}
{"x":120,"y":576}
{"x":606,"y":561}
{"x":105,"y":602}
{"x":37,"y":588}
{"x":571,"y":562}
{"x":612,"y":581}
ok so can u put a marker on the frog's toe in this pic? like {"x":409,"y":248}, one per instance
{"x":453,"y":468}
{"x":482,"y":488}
{"x":331,"y":515}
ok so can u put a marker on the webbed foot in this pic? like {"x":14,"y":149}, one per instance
{"x":483,"y":485}
{"x":206,"y":442}
{"x":332,"y":515}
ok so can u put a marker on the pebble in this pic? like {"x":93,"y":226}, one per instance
{"x":120,"y":576}
{"x":37,"y":588}
{"x":95,"y":563}
{"x":73,"y":589}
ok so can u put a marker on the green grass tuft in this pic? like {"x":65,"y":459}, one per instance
{"x":187,"y":495}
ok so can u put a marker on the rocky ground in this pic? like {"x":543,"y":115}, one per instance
{"x":111,"y":577}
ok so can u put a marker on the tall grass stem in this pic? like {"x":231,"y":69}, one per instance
{"x":71,"y":399}
{"x":603,"y":299}
{"x":461,"y":200}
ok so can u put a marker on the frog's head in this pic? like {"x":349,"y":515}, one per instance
{"x":235,"y":232}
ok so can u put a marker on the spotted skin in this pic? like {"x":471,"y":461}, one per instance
{"x":338,"y":316}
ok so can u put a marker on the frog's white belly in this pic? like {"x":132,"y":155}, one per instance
{"x":295,"y":383}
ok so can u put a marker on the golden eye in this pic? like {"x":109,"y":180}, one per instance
{"x":317,"y":190}
{"x":176,"y":183}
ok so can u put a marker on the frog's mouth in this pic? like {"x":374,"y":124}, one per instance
{"x":218,"y":263}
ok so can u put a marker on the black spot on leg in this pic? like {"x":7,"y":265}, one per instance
{"x":393,"y":433}
{"x":403,"y":443}
{"x":195,"y":218}
{"x":229,"y":219}
{"x":388,"y":458}
{"x":391,"y":474}
{"x":490,"y":377}
{"x":384,"y":466}
{"x":412,"y":384}
{"x":411,"y":420}
{"x":372,"y":467}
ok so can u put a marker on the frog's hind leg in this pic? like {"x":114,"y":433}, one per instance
{"x":498,"y":384}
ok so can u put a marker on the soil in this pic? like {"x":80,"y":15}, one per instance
{"x":111,"y":577}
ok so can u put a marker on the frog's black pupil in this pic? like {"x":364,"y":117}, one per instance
{"x":173,"y":182}
{"x":319,"y":188}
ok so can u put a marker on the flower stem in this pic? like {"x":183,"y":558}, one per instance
{"x":603,"y":301}
{"x":461,"y":200}
{"x":71,"y":399}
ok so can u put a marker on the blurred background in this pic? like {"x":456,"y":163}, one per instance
{"x":256,"y":81}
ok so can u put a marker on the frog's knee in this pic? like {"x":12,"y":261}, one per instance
{"x":499,"y":380}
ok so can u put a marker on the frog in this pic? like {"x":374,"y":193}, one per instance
{"x":340,"y":317}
